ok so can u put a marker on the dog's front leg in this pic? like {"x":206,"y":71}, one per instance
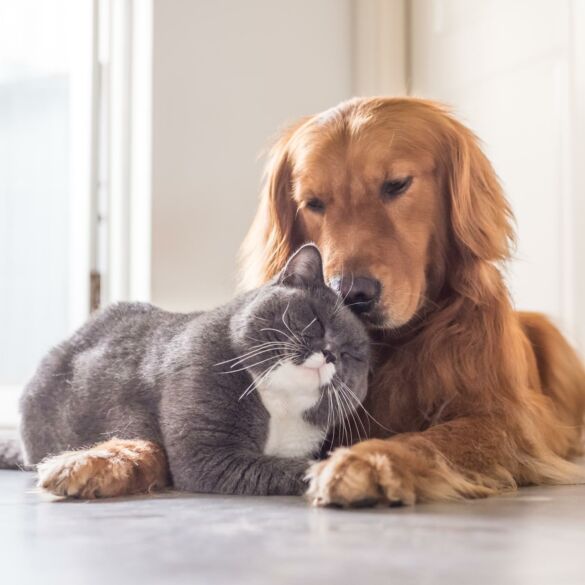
{"x":469,"y":457}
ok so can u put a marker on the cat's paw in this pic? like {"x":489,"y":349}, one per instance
{"x":348,"y":478}
{"x":113,"y":468}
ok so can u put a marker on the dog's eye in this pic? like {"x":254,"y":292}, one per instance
{"x":391,"y":189}
{"x":315,"y":204}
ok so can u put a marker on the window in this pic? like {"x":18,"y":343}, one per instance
{"x":46,"y":68}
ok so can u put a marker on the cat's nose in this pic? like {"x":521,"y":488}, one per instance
{"x":360,"y":293}
{"x":329,"y":356}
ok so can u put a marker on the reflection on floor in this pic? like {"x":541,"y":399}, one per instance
{"x":536,"y":536}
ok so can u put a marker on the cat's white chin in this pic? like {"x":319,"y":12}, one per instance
{"x":303,"y":380}
{"x":288,"y":392}
{"x":298,"y":385}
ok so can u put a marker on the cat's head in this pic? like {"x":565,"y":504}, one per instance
{"x":297,"y":334}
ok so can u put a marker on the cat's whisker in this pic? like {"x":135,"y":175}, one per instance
{"x":345,"y":296}
{"x":338,"y":299}
{"x":343,"y":392}
{"x":257,"y":353}
{"x":298,"y":356}
{"x":282,"y":333}
{"x":266,"y":347}
{"x":355,"y":415}
{"x":362,"y":425}
{"x":346,"y":433}
{"x":353,"y":304}
{"x":253,"y":348}
{"x":357,"y":422}
{"x":348,"y":412}
{"x":262,"y":377}
{"x":307,"y":326}
{"x":271,"y":358}
{"x":365,"y":410}
{"x":336,"y":434}
{"x":257,"y":340}
{"x":251,"y":356}
{"x":286,"y":324}
{"x":257,"y":381}
{"x":332,"y":426}
{"x":258,"y":318}
{"x":341,"y":417}
{"x":330,"y":414}
{"x":323,"y":390}
{"x":327,"y":390}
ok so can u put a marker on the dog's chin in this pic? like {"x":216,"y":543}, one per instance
{"x":380,"y":320}
{"x":373,"y":319}
{"x":385,"y":316}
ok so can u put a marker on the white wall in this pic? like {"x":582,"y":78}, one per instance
{"x":227,"y":74}
{"x":508,"y":68}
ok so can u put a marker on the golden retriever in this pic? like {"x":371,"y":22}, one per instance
{"x":469,"y":397}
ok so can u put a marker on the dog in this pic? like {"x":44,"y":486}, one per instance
{"x":469,"y":397}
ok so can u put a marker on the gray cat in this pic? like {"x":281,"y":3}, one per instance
{"x":240,"y":397}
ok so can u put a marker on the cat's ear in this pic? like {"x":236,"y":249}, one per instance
{"x":304,"y":268}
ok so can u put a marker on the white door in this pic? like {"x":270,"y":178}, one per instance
{"x":507,"y":67}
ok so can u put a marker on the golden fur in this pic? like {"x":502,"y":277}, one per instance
{"x":472,"y":397}
{"x":113,"y":468}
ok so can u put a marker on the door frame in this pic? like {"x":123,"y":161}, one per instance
{"x":124,"y":153}
{"x":380,"y":47}
{"x":576,"y":246}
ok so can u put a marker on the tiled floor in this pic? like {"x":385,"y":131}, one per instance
{"x":536,"y":536}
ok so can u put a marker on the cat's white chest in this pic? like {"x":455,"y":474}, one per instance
{"x":288,"y":393}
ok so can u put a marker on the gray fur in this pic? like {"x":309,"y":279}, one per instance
{"x":10,"y":455}
{"x":137,"y":372}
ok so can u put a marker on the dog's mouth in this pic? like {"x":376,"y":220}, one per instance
{"x":377,"y":304}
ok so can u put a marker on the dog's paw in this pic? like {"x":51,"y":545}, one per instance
{"x":110,"y":469}
{"x":354,"y":479}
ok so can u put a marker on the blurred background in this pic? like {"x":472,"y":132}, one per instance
{"x":130,"y":132}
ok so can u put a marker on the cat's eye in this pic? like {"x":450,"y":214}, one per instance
{"x":396,"y":187}
{"x":315,"y":204}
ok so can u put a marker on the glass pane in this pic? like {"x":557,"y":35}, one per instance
{"x":36,"y":89}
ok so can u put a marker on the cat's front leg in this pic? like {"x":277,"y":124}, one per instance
{"x":242,"y":473}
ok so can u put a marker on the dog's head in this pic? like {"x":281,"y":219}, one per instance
{"x":399,"y":198}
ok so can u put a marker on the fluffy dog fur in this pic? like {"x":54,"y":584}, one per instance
{"x":472,"y":397}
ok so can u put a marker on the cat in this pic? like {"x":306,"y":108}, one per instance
{"x":240,"y":398}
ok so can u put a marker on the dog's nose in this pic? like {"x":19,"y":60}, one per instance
{"x":360,"y":293}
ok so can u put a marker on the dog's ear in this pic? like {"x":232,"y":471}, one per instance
{"x":481,"y":217}
{"x":273,"y":235}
